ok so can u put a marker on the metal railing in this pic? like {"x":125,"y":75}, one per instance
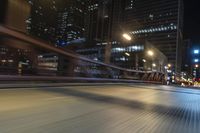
{"x":71,"y":66}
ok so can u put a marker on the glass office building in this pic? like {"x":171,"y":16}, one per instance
{"x":159,"y":22}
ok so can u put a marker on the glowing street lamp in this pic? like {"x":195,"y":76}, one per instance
{"x":127,"y":36}
{"x":169,"y":65}
{"x":144,"y":60}
{"x":166,"y":67}
{"x":154,"y":65}
{"x":196,"y":66}
{"x":150,"y":53}
{"x":127,"y":54}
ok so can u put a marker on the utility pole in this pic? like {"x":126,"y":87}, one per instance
{"x":136,"y":61}
{"x":108,"y":46}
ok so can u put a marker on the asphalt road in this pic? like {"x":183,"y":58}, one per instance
{"x":100,"y":109}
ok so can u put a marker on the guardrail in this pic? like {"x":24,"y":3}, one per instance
{"x":13,"y":78}
{"x":78,"y":67}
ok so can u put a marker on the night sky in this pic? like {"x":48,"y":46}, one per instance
{"x":192,"y":19}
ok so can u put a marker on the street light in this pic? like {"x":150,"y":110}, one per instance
{"x":196,"y":66}
{"x":154,"y":65}
{"x":144,"y":64}
{"x":127,"y":54}
{"x":127,"y":36}
{"x":169,"y":65}
{"x":144,"y":60}
{"x":150,"y":53}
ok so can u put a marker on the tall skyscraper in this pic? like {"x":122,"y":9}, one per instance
{"x":61,"y":22}
{"x":58,"y":21}
{"x":98,"y":21}
{"x":157,"y":21}
{"x":42,"y":20}
{"x":71,"y":23}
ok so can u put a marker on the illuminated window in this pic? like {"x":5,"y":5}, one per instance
{"x":196,"y":51}
{"x":196,"y":60}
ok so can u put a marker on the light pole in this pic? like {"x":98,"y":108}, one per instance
{"x":108,"y":47}
{"x":151,"y":54}
{"x":128,"y":38}
{"x":153,"y":66}
{"x":144,"y":64}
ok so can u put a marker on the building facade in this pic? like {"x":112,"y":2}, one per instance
{"x":159,"y":22}
{"x":41,"y":22}
{"x":99,"y":21}
{"x":16,"y":57}
{"x":71,"y":23}
{"x":186,"y":57}
{"x":57,"y":21}
{"x":134,"y":56}
{"x":195,"y":60}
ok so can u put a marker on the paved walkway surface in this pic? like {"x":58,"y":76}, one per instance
{"x":107,"y":108}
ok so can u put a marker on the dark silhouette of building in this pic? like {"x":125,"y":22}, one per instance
{"x":71,"y":23}
{"x":57,"y":21}
{"x":3,"y":5}
{"x":99,"y":20}
{"x":186,"y":57}
{"x":42,"y":20}
{"x":16,"y":57}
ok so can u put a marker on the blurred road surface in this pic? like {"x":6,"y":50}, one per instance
{"x":100,"y":108}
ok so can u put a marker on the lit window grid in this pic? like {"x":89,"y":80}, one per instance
{"x":157,"y":29}
{"x":196,"y":60}
{"x":127,"y":49}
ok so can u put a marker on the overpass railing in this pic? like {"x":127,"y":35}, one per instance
{"x":22,"y":58}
